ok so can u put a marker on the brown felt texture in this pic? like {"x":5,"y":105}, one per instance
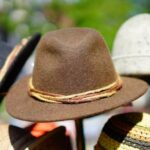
{"x":20,"y":105}
{"x":70,"y":61}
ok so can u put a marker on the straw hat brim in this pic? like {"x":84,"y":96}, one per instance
{"x":22,"y":106}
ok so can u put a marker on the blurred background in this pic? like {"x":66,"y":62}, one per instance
{"x":22,"y":18}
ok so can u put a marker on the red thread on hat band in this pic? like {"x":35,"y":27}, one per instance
{"x":83,"y":97}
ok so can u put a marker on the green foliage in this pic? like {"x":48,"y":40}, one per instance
{"x":24,"y":19}
{"x":106,"y":16}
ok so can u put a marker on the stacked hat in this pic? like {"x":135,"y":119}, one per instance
{"x":14,"y":138}
{"x":73,"y":77}
{"x":129,"y":131}
{"x":13,"y":59}
{"x":131,"y":49}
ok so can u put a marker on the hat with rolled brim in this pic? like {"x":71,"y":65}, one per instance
{"x":13,"y":59}
{"x":73,"y":77}
{"x":128,"y":131}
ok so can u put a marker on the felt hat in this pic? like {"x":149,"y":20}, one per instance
{"x":73,"y":77}
{"x":131,"y":48}
{"x":13,"y":59}
{"x":14,"y":138}
{"x":128,"y":131}
{"x":55,"y":140}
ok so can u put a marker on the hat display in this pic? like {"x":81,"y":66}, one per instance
{"x":128,"y":131}
{"x":13,"y":59}
{"x":73,"y":77}
{"x":131,"y":49}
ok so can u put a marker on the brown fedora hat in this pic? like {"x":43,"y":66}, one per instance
{"x":73,"y":77}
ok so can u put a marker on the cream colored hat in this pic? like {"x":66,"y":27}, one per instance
{"x":131,"y":49}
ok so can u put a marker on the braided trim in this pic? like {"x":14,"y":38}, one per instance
{"x":91,"y":95}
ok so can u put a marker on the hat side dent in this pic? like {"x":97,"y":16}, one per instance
{"x":66,"y":67}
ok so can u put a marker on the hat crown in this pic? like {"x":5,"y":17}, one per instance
{"x":133,"y":37}
{"x":72,"y":60}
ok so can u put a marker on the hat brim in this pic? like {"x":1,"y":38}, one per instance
{"x":131,"y":66}
{"x":16,"y":63}
{"x":22,"y":106}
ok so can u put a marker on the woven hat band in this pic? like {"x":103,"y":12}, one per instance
{"x":87,"y":96}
